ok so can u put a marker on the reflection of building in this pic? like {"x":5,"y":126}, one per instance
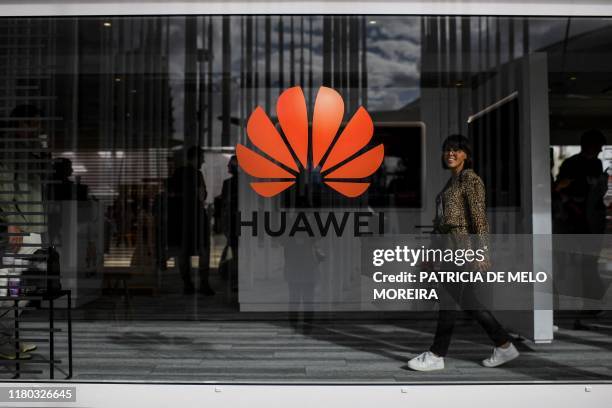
{"x":130,"y":92}
{"x":486,"y":84}
{"x":28,"y":64}
{"x":579,"y":83}
{"x":279,"y":52}
{"x":120,"y":102}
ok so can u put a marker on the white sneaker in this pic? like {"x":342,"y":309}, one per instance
{"x":501,"y":356}
{"x":426,"y":361}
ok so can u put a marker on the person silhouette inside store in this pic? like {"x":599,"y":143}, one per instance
{"x":228,"y":218}
{"x":63,"y":188}
{"x":580,"y":188}
{"x":188,"y":225}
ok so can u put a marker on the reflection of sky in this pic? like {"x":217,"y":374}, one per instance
{"x":393,"y":53}
{"x":548,"y":31}
{"x":393,"y":57}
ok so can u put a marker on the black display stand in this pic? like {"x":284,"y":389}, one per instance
{"x":22,"y":331}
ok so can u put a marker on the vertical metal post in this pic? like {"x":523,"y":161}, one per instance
{"x":281,"y":62}
{"x":267,"y":63}
{"x":364,"y":63}
{"x":51,"y":340}
{"x":17,"y":348}
{"x":327,"y":51}
{"x":226,"y":81}
{"x":69,"y":317}
{"x":209,"y":83}
{"x":292,"y":53}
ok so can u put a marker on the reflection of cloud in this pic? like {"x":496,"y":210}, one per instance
{"x":404,"y":79}
{"x":392,"y":27}
{"x":393,"y":48}
{"x":387,"y":78}
{"x":393,"y":57}
{"x":387,"y":99}
{"x":394,"y":54}
{"x":396,"y":49}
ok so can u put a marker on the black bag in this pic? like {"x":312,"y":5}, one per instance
{"x":36,"y":281}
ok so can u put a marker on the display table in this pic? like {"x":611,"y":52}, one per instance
{"x":23,"y":331}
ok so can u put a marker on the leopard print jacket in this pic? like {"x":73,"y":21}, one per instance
{"x":461,"y":207}
{"x":461,"y":215}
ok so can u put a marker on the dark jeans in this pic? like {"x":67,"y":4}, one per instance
{"x":446,"y":324}
{"x":464,"y":295}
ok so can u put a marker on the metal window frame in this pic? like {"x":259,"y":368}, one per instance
{"x":395,"y":7}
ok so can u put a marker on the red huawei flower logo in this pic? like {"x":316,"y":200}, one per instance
{"x":339,"y":159}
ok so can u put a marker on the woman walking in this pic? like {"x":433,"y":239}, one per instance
{"x":461,"y":213}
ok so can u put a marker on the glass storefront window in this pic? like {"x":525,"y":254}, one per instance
{"x":119,"y":144}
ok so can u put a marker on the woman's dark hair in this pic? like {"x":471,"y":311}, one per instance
{"x":458,"y":142}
